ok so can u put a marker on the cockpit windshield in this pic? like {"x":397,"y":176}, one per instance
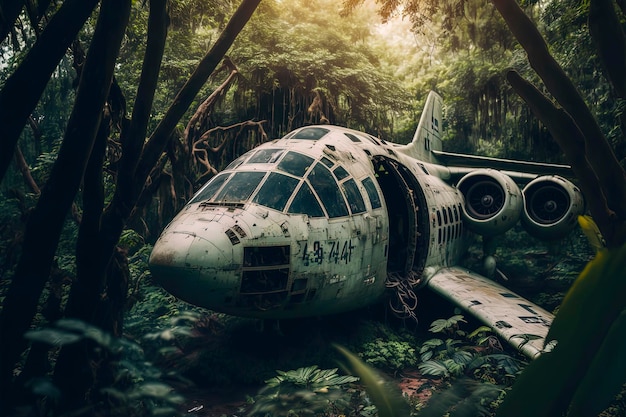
{"x":209,"y":190}
{"x":295,"y":164}
{"x":327,"y":189}
{"x":239,"y":188}
{"x":276,"y":191}
{"x":266,"y":156}
{"x":310,"y":133}
{"x":297,"y":185}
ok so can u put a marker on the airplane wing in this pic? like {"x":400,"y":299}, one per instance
{"x":469,"y":162}
{"x":515,"y":319}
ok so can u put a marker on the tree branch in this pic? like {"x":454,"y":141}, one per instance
{"x":10,"y":10}
{"x":599,"y":153}
{"x":35,"y":71}
{"x":196,"y":122}
{"x":569,"y":137}
{"x":158,"y":140}
{"x":608,"y":36}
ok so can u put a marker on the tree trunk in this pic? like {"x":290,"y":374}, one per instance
{"x":158,"y":140}
{"x":10,"y":11}
{"x":31,"y":77}
{"x":46,"y":221}
{"x":130,"y":186}
{"x":569,"y":137}
{"x":597,"y":148}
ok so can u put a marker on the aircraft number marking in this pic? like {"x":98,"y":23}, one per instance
{"x":340,"y":252}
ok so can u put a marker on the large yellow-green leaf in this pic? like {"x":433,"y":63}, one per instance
{"x":387,"y":399}
{"x":606,"y":374}
{"x":588,"y":311}
{"x":592,"y":232}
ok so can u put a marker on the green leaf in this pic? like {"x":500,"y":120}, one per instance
{"x":434,"y":368}
{"x":440,"y":325}
{"x":592,"y":232}
{"x":388,"y":399}
{"x":152,"y":389}
{"x":430,"y":344}
{"x":606,"y":373}
{"x":481,"y":329}
{"x":54,"y":337}
{"x":589,"y":309}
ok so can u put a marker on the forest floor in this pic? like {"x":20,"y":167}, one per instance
{"x":236,"y":401}
{"x":228,"y":359}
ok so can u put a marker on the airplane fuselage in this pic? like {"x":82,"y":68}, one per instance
{"x":328,"y":219}
{"x":310,"y":224}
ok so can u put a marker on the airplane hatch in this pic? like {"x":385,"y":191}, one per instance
{"x":408,"y":233}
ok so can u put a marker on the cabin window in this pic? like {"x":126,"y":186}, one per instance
{"x":310,"y":133}
{"x":423,"y":167}
{"x":209,"y":190}
{"x":373,"y":140}
{"x":305,"y":203}
{"x":352,"y":137}
{"x":340,"y":173}
{"x":355,"y":200}
{"x":368,"y":183}
{"x":240,"y":187}
{"x":327,"y":189}
{"x":266,"y":156}
{"x":275,"y":191}
{"x":295,"y":164}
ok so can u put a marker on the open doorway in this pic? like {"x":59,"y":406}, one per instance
{"x":408,"y":222}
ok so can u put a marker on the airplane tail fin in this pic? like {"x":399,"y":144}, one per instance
{"x":427,"y":137}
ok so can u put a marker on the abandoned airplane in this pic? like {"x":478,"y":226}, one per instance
{"x":328,"y":219}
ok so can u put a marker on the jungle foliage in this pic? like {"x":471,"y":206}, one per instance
{"x":113,"y":112}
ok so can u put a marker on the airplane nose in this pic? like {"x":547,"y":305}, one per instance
{"x":200,"y":267}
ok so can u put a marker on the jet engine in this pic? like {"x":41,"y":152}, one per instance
{"x":493,"y":201}
{"x":551,"y":207}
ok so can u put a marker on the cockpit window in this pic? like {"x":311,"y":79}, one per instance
{"x":327,"y":162}
{"x":327,"y":189}
{"x":295,"y":164}
{"x":266,"y":156}
{"x":238,"y":161}
{"x":275,"y":191}
{"x":368,"y":183}
{"x":340,"y":173}
{"x":209,"y":190}
{"x":240,"y":187}
{"x":310,"y":133}
{"x":305,"y":203}
{"x":355,"y":200}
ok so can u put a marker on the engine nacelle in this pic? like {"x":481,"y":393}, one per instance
{"x":551,"y":207}
{"x":493,"y":201}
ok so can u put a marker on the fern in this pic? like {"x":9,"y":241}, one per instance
{"x":434,"y":368}
{"x":446,"y":325}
